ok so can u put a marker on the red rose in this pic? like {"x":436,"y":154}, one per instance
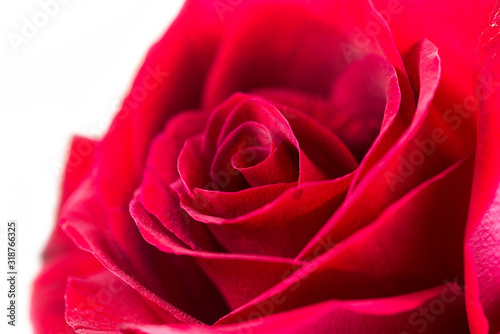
{"x":291,"y":167}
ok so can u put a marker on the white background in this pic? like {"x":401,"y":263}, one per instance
{"x":68,"y":77}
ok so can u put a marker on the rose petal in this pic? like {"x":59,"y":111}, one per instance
{"x":224,"y":205}
{"x":258,"y":110}
{"x":458,"y":24}
{"x":324,"y":29}
{"x":278,"y":131}
{"x":102,"y":301}
{"x":261,"y":231}
{"x":101,"y":225}
{"x":199,"y":151}
{"x":482,"y":242}
{"x":194,"y":166}
{"x":394,"y":176}
{"x":143,"y":267}
{"x":156,"y":194}
{"x":47,"y":305}
{"x":327,"y":114}
{"x":387,"y":258}
{"x":164,"y":203}
{"x":217,"y":120}
{"x":246,"y":135}
{"x":167,"y":83}
{"x":359,"y":92}
{"x":238,"y":277}
{"x":437,"y":310}
{"x":61,"y":257}
{"x":279,"y":166}
{"x":316,"y":149}
{"x":322,"y":155}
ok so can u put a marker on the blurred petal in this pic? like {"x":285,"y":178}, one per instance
{"x":61,"y":257}
{"x":260,"y":46}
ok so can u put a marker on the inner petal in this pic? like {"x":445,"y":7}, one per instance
{"x":249,"y":157}
{"x":255,"y":109}
{"x":244,"y":137}
{"x":280,"y":166}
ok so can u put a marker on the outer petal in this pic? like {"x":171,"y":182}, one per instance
{"x":482,"y":243}
{"x":96,"y":215}
{"x":466,"y":34}
{"x":47,"y":306}
{"x":408,"y":163}
{"x":439,"y":310}
{"x":102,"y":301}
{"x":448,"y":23}
{"x":154,"y":274}
{"x":61,"y":257}
{"x":455,"y":27}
